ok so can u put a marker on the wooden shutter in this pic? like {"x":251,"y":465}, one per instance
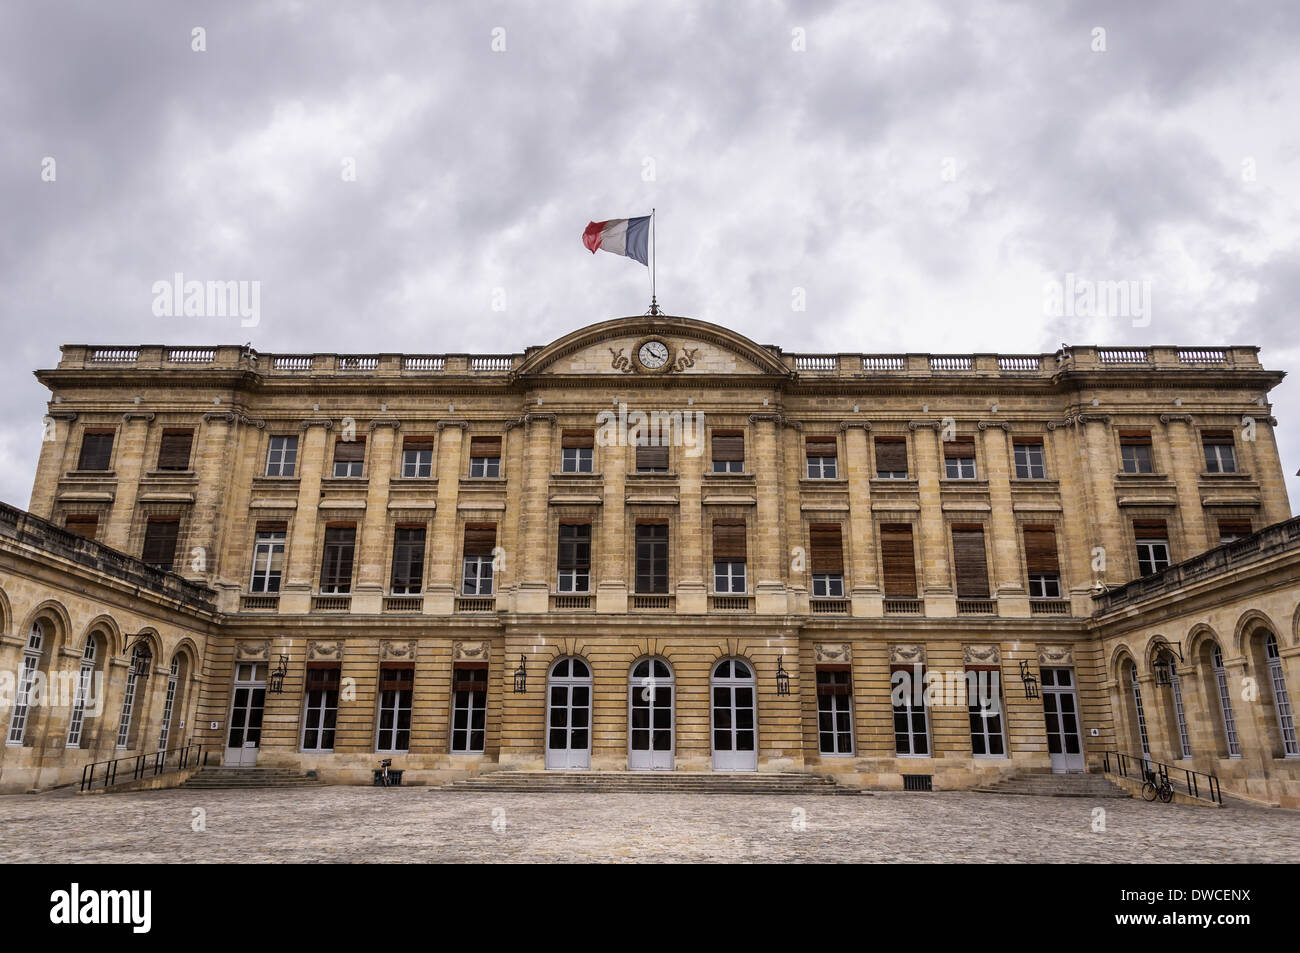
{"x":728,"y":445}
{"x":397,"y":677}
{"x":1150,"y":529}
{"x":160,"y":542}
{"x":272,"y":526}
{"x":822,"y":446}
{"x":891,"y":454}
{"x":577,"y":439}
{"x":960,"y":447}
{"x":827,"y":551}
{"x":1216,"y":437}
{"x":86,"y":526}
{"x":652,"y":458}
{"x":484,"y":447}
{"x":899,"y":559}
{"x":729,"y":539}
{"x":480,"y":539}
{"x":174,"y":451}
{"x":469,"y":677}
{"x":969,"y":558}
{"x":1135,"y":438}
{"x":834,"y":680}
{"x":1040,"y":550}
{"x":1226,"y":528}
{"x":96,"y":450}
{"x":350,"y":451}
{"x":323,"y":676}
{"x":417,"y":443}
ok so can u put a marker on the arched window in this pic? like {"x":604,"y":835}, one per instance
{"x":1137,"y":708}
{"x":1225,"y":704}
{"x":651,"y":691}
{"x":169,"y":703}
{"x":27,"y":675}
{"x":85,"y":681}
{"x":1281,"y":699}
{"x":1180,"y":715}
{"x":568,"y":715}
{"x":735,"y":736}
{"x":141,"y":656}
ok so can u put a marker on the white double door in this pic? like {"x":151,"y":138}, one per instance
{"x":244,"y":733}
{"x":568,"y":716}
{"x":734,"y":728}
{"x":651,"y":692}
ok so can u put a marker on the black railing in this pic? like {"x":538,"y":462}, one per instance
{"x":141,"y":766}
{"x":1195,"y":784}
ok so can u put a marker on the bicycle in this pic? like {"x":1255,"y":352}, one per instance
{"x":1157,"y":787}
{"x":384,"y":780}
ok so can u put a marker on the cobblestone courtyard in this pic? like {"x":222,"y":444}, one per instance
{"x":357,"y":824}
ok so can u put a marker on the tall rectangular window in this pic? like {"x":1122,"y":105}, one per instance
{"x":27,"y":674}
{"x":82,"y":525}
{"x":349,"y":457}
{"x":268,"y":557}
{"x":174,"y":449}
{"x":417,"y":458}
{"x":1220,"y":453}
{"x":970,"y":561}
{"x":577,"y":451}
{"x":469,"y":708}
{"x":396,"y":684}
{"x":728,"y":451}
{"x":834,"y":709}
{"x":320,"y":708}
{"x":96,"y":450}
{"x":1041,"y":562}
{"x":652,"y":459}
{"x":476,"y":564}
{"x":574,"y":559}
{"x":484,"y":457}
{"x":959,"y":458}
{"x":1152,"y":546}
{"x":911,"y":721}
{"x":729,"y":557}
{"x":1232,"y":530}
{"x":822,"y":458}
{"x":85,"y":678}
{"x":408,"y":561}
{"x":898,"y":558}
{"x":336,"y":559}
{"x":282,"y":456}
{"x":984,"y":706}
{"x":1031,"y":463}
{"x":160,"y":534}
{"x":651,"y":558}
{"x":891,"y":458}
{"x":826,"y":559}
{"x":1135,"y":451}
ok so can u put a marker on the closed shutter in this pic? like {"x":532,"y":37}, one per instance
{"x":484,"y":447}
{"x":96,"y":450}
{"x":480,"y":539}
{"x":1135,"y":438}
{"x":469,"y":677}
{"x":1040,"y":550}
{"x":827,"y":549}
{"x":891,"y":455}
{"x":577,"y":439}
{"x":834,"y":680}
{"x":652,"y":458}
{"x":397,"y":676}
{"x":728,"y":445}
{"x":417,"y":443}
{"x":820,"y":446}
{"x":969,"y":558}
{"x":899,"y":559}
{"x":1150,"y":529}
{"x":272,"y":526}
{"x":961,"y":447}
{"x":323,"y":676}
{"x":86,"y":526}
{"x":174,"y":452}
{"x":1226,"y":528}
{"x":729,"y":539}
{"x":349,"y":451}
{"x":160,"y":542}
{"x":1217,"y":437}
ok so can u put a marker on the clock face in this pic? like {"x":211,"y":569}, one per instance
{"x":653,"y":355}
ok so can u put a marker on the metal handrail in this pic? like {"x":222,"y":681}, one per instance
{"x":1141,"y":768}
{"x":141,"y":765}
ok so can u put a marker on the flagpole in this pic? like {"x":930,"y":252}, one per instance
{"x":654,"y":260}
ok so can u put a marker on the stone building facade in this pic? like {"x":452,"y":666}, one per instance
{"x":654,"y":543}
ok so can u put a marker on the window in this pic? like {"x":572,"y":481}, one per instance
{"x":320,"y":708}
{"x":1281,"y":698}
{"x":160,"y":534}
{"x":899,"y":560}
{"x":984,"y":706}
{"x":174,"y":449}
{"x":652,"y":459}
{"x":469,"y":708}
{"x":651,"y":558}
{"x":268,"y":557}
{"x":86,"y":526}
{"x":577,"y":451}
{"x":141,"y":655}
{"x":574,"y":561}
{"x":1143,"y":738}
{"x":349,"y":457}
{"x":822,"y":460}
{"x":169,"y":703}
{"x":1152,"y":546}
{"x":1225,"y":704}
{"x":959,"y":458}
{"x":1030,"y":462}
{"x":911,"y":723}
{"x":96,"y":450}
{"x":282,"y":457}
{"x":26,"y":679}
{"x":1135,"y":451}
{"x":336,"y":561}
{"x":1180,"y":714}
{"x":1220,"y":454}
{"x":480,"y":540}
{"x":85,"y":682}
{"x":417,"y":458}
{"x":1041,"y":562}
{"x":484,"y":457}
{"x":1233,"y":530}
{"x":728,"y":451}
{"x":834,"y":709}
{"x":408,"y":561}
{"x":396,"y":683}
{"x":826,"y":556}
{"x":729,"y":556}
{"x":970,"y":561}
{"x":891,"y":458}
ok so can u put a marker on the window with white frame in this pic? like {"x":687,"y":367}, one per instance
{"x":729,"y":576}
{"x":1153,"y":556}
{"x":268,"y":559}
{"x":911,"y":720}
{"x":469,"y":709}
{"x":574,"y":558}
{"x":959,"y":458}
{"x":1135,"y":451}
{"x":169,"y":703}
{"x":1225,"y":704}
{"x":141,"y":656}
{"x":320,"y":709}
{"x":1030,"y":462}
{"x":282,"y":457}
{"x":1281,"y":699}
{"x":834,"y":710}
{"x":85,"y":680}
{"x":395,"y":689}
{"x":27,"y":674}
{"x":1180,"y":714}
{"x":821,"y":454}
{"x":349,"y":457}
{"x":1143,"y":738}
{"x":417,"y":458}
{"x":1220,"y":453}
{"x":484,"y":457}
{"x":984,"y":707}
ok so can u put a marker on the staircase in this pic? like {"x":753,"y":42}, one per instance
{"x":211,"y":779}
{"x":1057,"y":785}
{"x":649,"y":782}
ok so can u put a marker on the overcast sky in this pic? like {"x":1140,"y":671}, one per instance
{"x":919,"y":170}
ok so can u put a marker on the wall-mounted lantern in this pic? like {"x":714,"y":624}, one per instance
{"x":782,"y":679}
{"x":141,"y":655}
{"x":1163,"y":665}
{"x":275,"y":684}
{"x":521,"y":676}
{"x":1028,"y":680}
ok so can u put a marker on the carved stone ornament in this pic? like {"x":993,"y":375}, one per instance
{"x":470,"y":651}
{"x":840,"y":652}
{"x":907,"y":655}
{"x":981,"y":655}
{"x":252,"y":651}
{"x":397,"y":651}
{"x":1055,"y":655}
{"x":324,"y":651}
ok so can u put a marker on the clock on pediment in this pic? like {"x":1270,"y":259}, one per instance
{"x":652,"y":355}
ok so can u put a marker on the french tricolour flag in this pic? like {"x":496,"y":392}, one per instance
{"x":622,"y":236}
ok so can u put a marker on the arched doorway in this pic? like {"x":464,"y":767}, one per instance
{"x":734,"y":729}
{"x":650,"y":716}
{"x":568,"y":715}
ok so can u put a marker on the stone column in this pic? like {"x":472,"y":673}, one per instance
{"x":211,"y":453}
{"x":533,"y":587}
{"x":933,"y":575}
{"x":610,"y":547}
{"x":130,"y":466}
{"x":301,"y":568}
{"x":1008,"y":584}
{"x":792,"y":470}
{"x":1075,"y":539}
{"x":692,"y":588}
{"x":867,"y":593}
{"x":56,"y":448}
{"x":1186,"y":456}
{"x":769,"y":590}
{"x":1107,"y":529}
{"x":1268,"y":471}
{"x":372,"y":559}
{"x":1155,"y":708}
{"x":1252,"y":717}
{"x":440,"y":599}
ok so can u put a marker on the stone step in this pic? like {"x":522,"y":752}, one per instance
{"x":1056,"y":785}
{"x":647,"y":782}
{"x":212,"y":779}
